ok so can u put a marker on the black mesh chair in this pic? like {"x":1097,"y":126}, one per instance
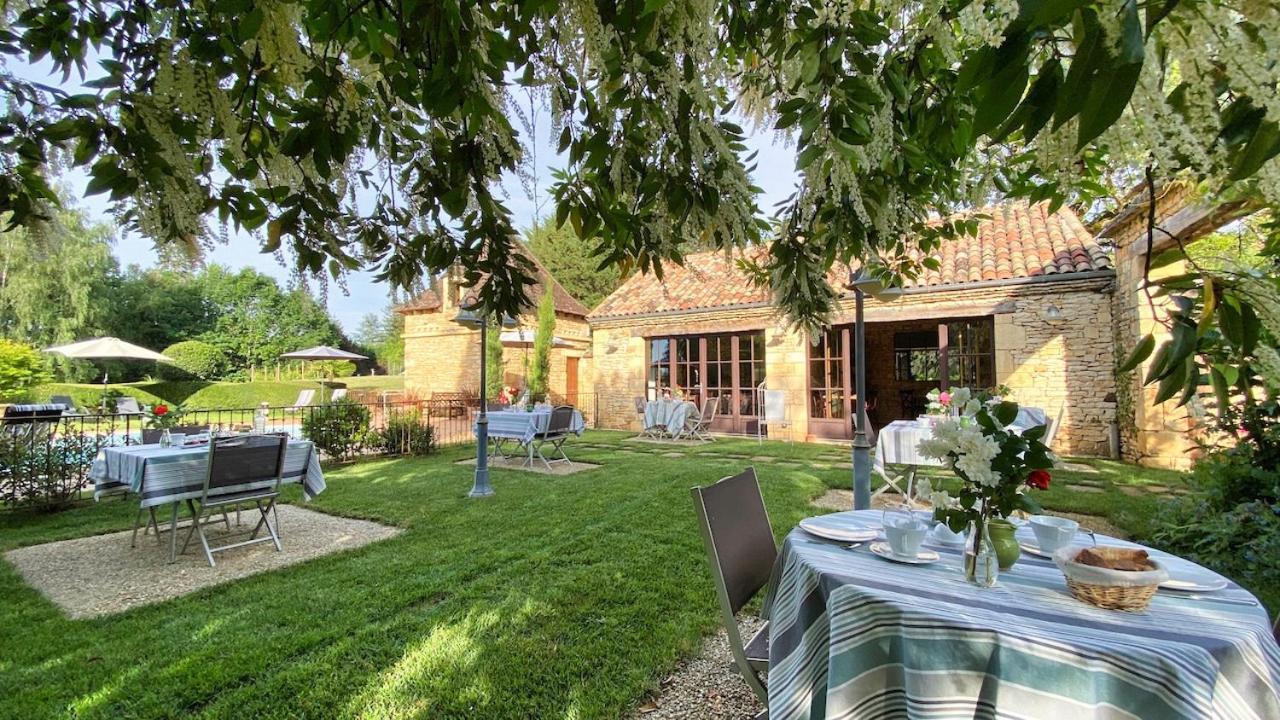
{"x":740,"y":546}
{"x":559,"y":428}
{"x":152,"y":436}
{"x":242,"y":470}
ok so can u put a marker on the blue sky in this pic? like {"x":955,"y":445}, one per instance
{"x":775,"y":174}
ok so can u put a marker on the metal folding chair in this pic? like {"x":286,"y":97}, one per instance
{"x":559,"y":427}
{"x":244,"y":469}
{"x":653,"y":432}
{"x":700,"y":428}
{"x":740,"y":547}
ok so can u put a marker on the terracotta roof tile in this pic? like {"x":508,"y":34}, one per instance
{"x":427,"y":300}
{"x":1017,"y":241}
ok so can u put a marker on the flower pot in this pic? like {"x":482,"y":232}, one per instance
{"x":1007,"y":550}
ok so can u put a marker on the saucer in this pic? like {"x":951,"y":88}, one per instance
{"x":924,"y":557}
{"x":1032,"y":548}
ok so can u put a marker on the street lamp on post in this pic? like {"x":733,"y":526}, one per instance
{"x":863,"y":283}
{"x":468,"y":317}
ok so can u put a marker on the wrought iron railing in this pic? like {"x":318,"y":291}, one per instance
{"x":45,"y":462}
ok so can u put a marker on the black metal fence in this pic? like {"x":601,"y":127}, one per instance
{"x":45,"y":462}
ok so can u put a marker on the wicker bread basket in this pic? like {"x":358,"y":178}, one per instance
{"x":1107,"y":588}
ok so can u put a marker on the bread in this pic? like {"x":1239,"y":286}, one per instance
{"x":1113,"y":558}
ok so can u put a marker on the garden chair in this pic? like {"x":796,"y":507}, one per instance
{"x":68,"y":405}
{"x":559,"y":428}
{"x":152,"y":436}
{"x":740,"y":547}
{"x":700,"y":426}
{"x":242,"y":470}
{"x":649,"y":431}
{"x":305,"y":398}
{"x":338,"y":394}
{"x":128,"y":406}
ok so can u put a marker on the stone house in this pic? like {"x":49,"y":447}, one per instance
{"x":441,"y":356}
{"x":1025,"y":303}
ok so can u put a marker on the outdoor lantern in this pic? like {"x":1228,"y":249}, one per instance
{"x":1052,"y":313}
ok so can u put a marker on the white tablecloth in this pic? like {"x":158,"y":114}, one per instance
{"x":669,"y":414}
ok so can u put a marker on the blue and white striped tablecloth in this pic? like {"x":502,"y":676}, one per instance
{"x":522,"y":426}
{"x":163,"y":475}
{"x":855,"y":636}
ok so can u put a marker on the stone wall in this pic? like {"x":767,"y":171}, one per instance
{"x":1160,"y":435}
{"x":442,"y":356}
{"x":1064,"y":366}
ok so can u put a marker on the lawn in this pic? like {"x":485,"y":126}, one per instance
{"x":561,"y":597}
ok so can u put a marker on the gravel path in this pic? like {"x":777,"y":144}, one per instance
{"x":101,"y":575}
{"x":705,"y":687}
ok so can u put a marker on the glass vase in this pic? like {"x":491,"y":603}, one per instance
{"x":981,"y":564}
{"x":165,"y":438}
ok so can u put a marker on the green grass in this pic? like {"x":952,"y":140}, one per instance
{"x":560,"y":597}
{"x":199,"y":394}
{"x":565,"y":597}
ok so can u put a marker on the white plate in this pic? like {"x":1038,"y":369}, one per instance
{"x":1187,"y":577}
{"x":924,"y":557}
{"x":935,"y":539}
{"x":1031,"y":548}
{"x":827,"y":529}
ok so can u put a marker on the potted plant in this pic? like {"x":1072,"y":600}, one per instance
{"x":997,"y":466}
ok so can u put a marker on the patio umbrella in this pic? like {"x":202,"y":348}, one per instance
{"x":322,"y":352}
{"x":107,"y":348}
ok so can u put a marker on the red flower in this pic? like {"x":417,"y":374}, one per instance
{"x":1039,"y":479}
{"x":159,"y":410}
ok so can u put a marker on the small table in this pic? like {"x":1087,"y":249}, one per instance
{"x":898,"y":444}
{"x":523,"y":426}
{"x":853,"y":635}
{"x":670,"y":414}
{"x":171,"y":475}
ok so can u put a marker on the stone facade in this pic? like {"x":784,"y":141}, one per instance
{"x":1063,"y":365}
{"x":442,"y":356}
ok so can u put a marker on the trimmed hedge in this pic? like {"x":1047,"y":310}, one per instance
{"x":194,"y":359}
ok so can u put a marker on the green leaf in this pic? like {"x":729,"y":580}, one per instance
{"x":1006,"y":412}
{"x":1171,"y":383}
{"x":1263,"y":146}
{"x":1140,"y":352}
{"x":999,"y":95}
{"x":1221,"y":390}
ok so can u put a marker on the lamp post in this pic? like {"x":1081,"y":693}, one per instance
{"x":468,"y":317}
{"x":863,"y":284}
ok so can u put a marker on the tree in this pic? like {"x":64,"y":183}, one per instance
{"x":900,"y":112}
{"x":493,"y":360}
{"x":382,"y":336}
{"x":543,"y":338}
{"x":570,"y":260}
{"x":21,"y":368}
{"x":53,"y":279}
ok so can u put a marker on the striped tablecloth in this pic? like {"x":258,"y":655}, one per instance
{"x":522,"y":426}
{"x":163,"y":475}
{"x":898,"y":444}
{"x":671,"y":414}
{"x":855,"y":636}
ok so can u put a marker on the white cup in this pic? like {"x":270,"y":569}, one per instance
{"x":905,"y":534}
{"x":177,"y":439}
{"x":1053,"y":533}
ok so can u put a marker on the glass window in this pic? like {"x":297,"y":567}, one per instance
{"x":915,"y":356}
{"x":725,"y":367}
{"x":827,"y":362}
{"x":971,"y":353}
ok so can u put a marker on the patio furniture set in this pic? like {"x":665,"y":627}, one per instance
{"x":854,"y":631}
{"x":210,"y":476}
{"x":672,"y":419}
{"x":533,"y":430}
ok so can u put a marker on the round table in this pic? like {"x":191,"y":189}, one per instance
{"x":853,"y":635}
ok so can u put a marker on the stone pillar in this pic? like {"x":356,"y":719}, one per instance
{"x":786,"y":361}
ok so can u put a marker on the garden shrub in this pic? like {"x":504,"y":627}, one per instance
{"x":406,"y":433}
{"x":194,"y":359}
{"x":339,"y":429}
{"x":21,"y":368}
{"x":42,"y":472}
{"x":1232,"y":522}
